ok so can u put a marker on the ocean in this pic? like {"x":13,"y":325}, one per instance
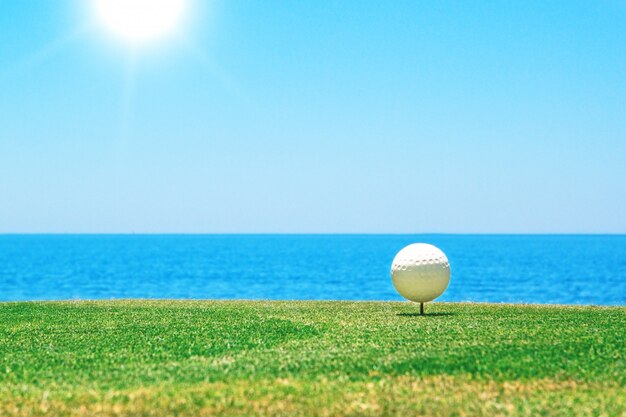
{"x":559,"y":269}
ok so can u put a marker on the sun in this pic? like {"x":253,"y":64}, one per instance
{"x":140,"y":21}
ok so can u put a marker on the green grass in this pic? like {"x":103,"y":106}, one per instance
{"x":161,"y":358}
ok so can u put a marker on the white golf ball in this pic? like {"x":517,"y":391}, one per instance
{"x":420,"y":272}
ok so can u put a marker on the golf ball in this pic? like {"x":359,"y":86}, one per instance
{"x":420,"y":272}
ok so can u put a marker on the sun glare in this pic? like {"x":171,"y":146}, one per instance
{"x":140,"y":21}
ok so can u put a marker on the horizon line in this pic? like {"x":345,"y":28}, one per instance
{"x":312,"y":233}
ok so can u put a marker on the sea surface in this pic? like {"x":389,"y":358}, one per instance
{"x":562,"y":269}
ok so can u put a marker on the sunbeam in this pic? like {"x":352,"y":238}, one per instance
{"x":216,"y":70}
{"x":47,"y":51}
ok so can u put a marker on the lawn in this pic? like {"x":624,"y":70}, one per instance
{"x":162,"y":358}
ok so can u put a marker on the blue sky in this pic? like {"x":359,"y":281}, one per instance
{"x":317,"y":116}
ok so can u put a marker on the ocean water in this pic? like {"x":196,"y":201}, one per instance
{"x":563,"y":269}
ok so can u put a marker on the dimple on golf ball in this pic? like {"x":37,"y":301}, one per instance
{"x":420,"y":272}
